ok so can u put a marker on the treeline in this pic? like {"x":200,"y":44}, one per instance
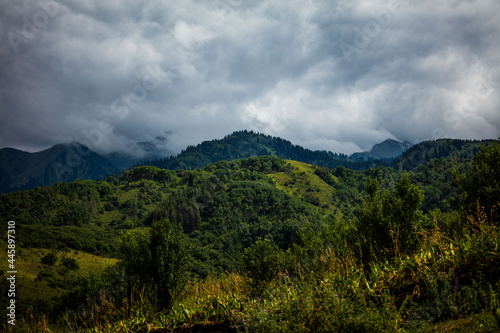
{"x":443,"y":148}
{"x":245,"y":144}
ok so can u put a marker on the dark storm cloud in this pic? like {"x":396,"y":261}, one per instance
{"x":339,"y":76}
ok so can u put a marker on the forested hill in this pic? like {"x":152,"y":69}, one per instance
{"x":425,"y":151}
{"x":224,"y":208}
{"x":245,"y":144}
{"x":20,"y":170}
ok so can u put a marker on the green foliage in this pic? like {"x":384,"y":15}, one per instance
{"x":135,"y":255}
{"x":72,"y":214}
{"x":169,"y":262}
{"x":373,"y":228}
{"x":436,"y":179}
{"x":70,"y":263}
{"x":50,"y":259}
{"x":363,"y":236}
{"x":400,"y":207}
{"x":389,"y":220}
{"x":428,"y":150}
{"x":411,"y":294}
{"x":83,"y":290}
{"x":481,"y":185}
{"x":90,"y":239}
{"x":246,"y":144}
{"x":495,"y":304}
{"x":45,"y":274}
{"x":261,"y":263}
{"x":159,"y":261}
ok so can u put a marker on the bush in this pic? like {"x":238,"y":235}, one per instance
{"x":159,"y":262}
{"x":481,"y":185}
{"x":70,"y":263}
{"x":262,"y":262}
{"x":49,"y":259}
{"x":45,"y":274}
{"x":73,"y":214}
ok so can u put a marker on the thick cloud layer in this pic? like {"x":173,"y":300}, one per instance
{"x":329,"y":75}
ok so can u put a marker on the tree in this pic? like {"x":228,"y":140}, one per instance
{"x":373,"y":228}
{"x":481,"y":185}
{"x":401,"y":208}
{"x":389,"y":216}
{"x":70,"y":263}
{"x":262,"y":262}
{"x":49,"y":259}
{"x":159,"y":261}
{"x":169,"y":262}
{"x":73,"y":214}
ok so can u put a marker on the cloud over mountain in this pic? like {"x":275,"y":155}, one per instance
{"x":323,"y":74}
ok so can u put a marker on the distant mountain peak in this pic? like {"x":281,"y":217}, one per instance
{"x":390,"y":148}
{"x":387,"y":150}
{"x":72,"y":145}
{"x":62,"y":162}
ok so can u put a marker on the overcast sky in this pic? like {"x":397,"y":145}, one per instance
{"x":328,"y":75}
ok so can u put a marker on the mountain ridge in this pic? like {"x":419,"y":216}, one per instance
{"x":385,"y":150}
{"x":21,"y":170}
{"x":245,"y":144}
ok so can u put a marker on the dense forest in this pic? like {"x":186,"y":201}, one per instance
{"x":210,"y":241}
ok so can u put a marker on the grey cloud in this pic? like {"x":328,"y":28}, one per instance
{"x":270,"y":66}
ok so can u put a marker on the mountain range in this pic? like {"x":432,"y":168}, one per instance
{"x":21,"y":170}
{"x":245,"y":144}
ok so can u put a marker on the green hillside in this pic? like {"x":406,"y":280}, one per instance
{"x":263,"y":244}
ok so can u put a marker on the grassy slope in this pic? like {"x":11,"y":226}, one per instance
{"x":31,"y":290}
{"x":303,"y":183}
{"x":28,"y":262}
{"x":129,"y":193}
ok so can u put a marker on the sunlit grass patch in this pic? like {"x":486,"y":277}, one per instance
{"x":300,"y":180}
{"x":29,"y":261}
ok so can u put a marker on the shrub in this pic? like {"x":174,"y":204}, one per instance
{"x":49,"y":259}
{"x":159,"y":262}
{"x":262,"y":262}
{"x":70,"y":263}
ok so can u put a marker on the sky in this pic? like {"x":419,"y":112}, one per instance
{"x":327,"y":75}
